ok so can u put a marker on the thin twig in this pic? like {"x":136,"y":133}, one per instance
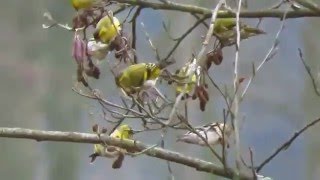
{"x":286,"y":144}
{"x":252,"y":166}
{"x":153,"y":47}
{"x":309,"y":5}
{"x":308,"y":69}
{"x":183,"y":36}
{"x":269,"y":55}
{"x":134,"y":32}
{"x":204,"y":23}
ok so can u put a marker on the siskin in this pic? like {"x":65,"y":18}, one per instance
{"x":211,"y":132}
{"x":84,"y":4}
{"x":138,"y":76}
{"x":188,"y":82}
{"x":123,"y":132}
{"x":107,"y":29}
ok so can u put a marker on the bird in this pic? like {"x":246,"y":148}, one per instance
{"x":84,"y":4}
{"x":225,"y":31}
{"x":124,"y":131}
{"x":138,"y":76}
{"x":107,"y":28}
{"x":222,"y":25}
{"x":211,"y":132}
{"x":188,"y":79}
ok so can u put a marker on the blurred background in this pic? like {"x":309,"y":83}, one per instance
{"x":37,"y":73}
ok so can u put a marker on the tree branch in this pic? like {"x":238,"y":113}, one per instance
{"x":271,"y":13}
{"x":160,"y":153}
{"x":286,"y":144}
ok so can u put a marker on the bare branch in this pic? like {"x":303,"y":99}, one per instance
{"x":309,"y":5}
{"x":271,"y":13}
{"x":160,"y":153}
{"x":181,"y":38}
{"x":286,"y":145}
{"x":268,"y":56}
{"x":235,"y":119}
{"x":134,"y":34}
{"x":314,"y":84}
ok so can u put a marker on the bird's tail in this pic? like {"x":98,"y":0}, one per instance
{"x":253,"y":30}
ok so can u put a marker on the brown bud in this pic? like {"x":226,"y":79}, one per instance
{"x":79,"y":21}
{"x":202,"y":105}
{"x":104,"y":130}
{"x":93,"y":71}
{"x":241,"y":79}
{"x":194,"y":96}
{"x":118,"y":162}
{"x":80,"y":77}
{"x":205,"y":94}
{"x":95,"y":128}
{"x":215,"y":56}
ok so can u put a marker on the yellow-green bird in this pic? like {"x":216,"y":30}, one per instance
{"x":188,"y":82}
{"x":107,"y":29}
{"x":84,"y":4}
{"x":122,"y":132}
{"x":138,"y":76}
{"x":225,"y":24}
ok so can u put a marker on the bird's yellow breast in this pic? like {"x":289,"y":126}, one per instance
{"x":82,"y":4}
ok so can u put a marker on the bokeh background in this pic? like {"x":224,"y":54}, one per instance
{"x":37,"y":74}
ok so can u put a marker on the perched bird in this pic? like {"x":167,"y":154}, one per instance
{"x":84,"y":4}
{"x":138,"y":76}
{"x":225,"y":31}
{"x":222,"y":25}
{"x":123,"y":132}
{"x":187,"y":82}
{"x":211,"y":132}
{"x":107,"y":28}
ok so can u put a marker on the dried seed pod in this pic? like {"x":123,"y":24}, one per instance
{"x":202,"y":105}
{"x":241,"y":79}
{"x":214,"y":56}
{"x":79,"y":21}
{"x":202,"y":94}
{"x":95,"y":128}
{"x":80,"y":77}
{"x":104,"y":130}
{"x":93,"y":71}
{"x":118,"y":162}
{"x":205,"y":93}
